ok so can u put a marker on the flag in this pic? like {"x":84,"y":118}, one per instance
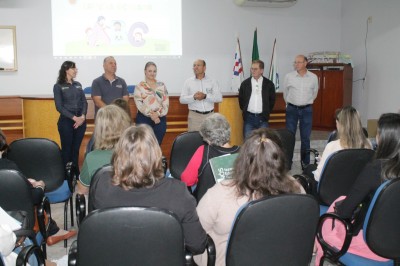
{"x":273,"y":69}
{"x":237,"y":76}
{"x":255,"y":55}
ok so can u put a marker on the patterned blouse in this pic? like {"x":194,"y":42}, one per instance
{"x":149,"y":100}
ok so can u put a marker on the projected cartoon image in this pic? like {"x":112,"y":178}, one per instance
{"x":136,"y":32}
{"x":98,"y":35}
{"x":118,"y":34}
{"x":118,"y":27}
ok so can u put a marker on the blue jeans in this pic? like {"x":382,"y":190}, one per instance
{"x":251,"y":122}
{"x":71,"y":139}
{"x":159,"y":129}
{"x":304,"y":116}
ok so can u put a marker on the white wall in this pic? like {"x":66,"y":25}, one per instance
{"x":381,"y":91}
{"x":209,"y":31}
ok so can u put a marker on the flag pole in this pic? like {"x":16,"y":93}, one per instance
{"x":240,"y":52}
{"x":272,"y":58}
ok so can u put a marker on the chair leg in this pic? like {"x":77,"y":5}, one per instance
{"x":44,"y":250}
{"x":65,"y":220}
{"x":71,"y":210}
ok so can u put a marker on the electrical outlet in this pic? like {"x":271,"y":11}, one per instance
{"x":369,"y":19}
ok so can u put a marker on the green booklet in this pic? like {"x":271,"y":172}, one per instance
{"x":222,"y":166}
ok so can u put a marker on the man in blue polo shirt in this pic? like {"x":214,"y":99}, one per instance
{"x":108,"y":86}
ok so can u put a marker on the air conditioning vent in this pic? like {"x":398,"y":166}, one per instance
{"x":265,"y":3}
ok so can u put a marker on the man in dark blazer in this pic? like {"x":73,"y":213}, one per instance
{"x":256,"y":99}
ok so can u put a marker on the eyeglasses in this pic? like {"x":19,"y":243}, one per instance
{"x":296,"y":63}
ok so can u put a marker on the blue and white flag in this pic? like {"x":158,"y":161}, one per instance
{"x":237,"y":76}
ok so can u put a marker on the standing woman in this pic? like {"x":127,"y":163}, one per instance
{"x":72,"y":105}
{"x":152,"y":102}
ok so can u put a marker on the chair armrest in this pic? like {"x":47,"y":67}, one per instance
{"x":306,"y":182}
{"x":80,"y":205}
{"x":330,"y":252}
{"x":71,"y":175}
{"x":316,"y":155}
{"x":42,"y":210}
{"x":211,"y":252}
{"x":189,"y":258}
{"x":73,"y":253}
{"x":26,"y":252}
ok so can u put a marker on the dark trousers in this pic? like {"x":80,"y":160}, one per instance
{"x":251,"y":122}
{"x":159,"y":129}
{"x":71,"y":139}
{"x":304,"y":116}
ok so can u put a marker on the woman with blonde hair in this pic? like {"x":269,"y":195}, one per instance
{"x":111,"y":121}
{"x":152,"y":101}
{"x":259,"y":170}
{"x":350,"y":136}
{"x":138,"y":180}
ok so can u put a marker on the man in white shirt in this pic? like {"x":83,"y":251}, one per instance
{"x":199,"y":93}
{"x":299,"y":91}
{"x":256,"y":99}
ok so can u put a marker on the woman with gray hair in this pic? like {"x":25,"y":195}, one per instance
{"x":216,"y":132}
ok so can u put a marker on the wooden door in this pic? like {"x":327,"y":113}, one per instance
{"x":332,"y":91}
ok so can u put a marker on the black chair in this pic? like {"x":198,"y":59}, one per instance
{"x":277,"y":230}
{"x":80,"y":201}
{"x":40,"y":159}
{"x":338,"y":175}
{"x":183,"y":148}
{"x":381,"y":229}
{"x":129,"y":236}
{"x":16,"y":196}
{"x":288,"y":141}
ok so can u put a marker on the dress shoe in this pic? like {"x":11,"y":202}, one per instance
{"x":51,"y":240}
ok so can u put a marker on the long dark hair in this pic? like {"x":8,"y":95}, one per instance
{"x":62,"y":76}
{"x":259,"y":169}
{"x":389,"y":144}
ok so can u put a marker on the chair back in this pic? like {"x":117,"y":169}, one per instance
{"x":183,"y":148}
{"x":340,"y":172}
{"x":103,"y":172}
{"x":130,"y":236}
{"x":381,"y":224}
{"x":278,"y":230}
{"x":40,"y":159}
{"x":16,"y":194}
{"x":288,"y":141}
{"x":87,"y":90}
{"x":131,"y":89}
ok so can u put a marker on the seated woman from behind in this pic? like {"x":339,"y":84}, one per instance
{"x":259,"y":171}
{"x":111,"y":121}
{"x":385,"y":166}
{"x":138,"y":180}
{"x":351,"y":136}
{"x":216,"y":132}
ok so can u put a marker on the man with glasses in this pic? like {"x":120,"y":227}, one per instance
{"x":300,"y":89}
{"x":256,"y":99}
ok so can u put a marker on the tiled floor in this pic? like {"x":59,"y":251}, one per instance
{"x":58,"y":251}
